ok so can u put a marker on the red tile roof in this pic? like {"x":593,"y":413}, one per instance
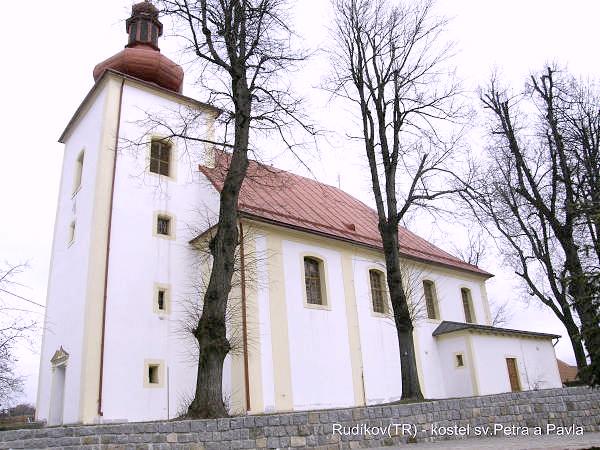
{"x":567,"y":372}
{"x":286,"y":199}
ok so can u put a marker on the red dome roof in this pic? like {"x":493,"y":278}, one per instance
{"x":141,"y":58}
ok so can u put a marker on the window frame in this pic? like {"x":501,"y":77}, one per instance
{"x":470,"y":304}
{"x":172,"y":176}
{"x":166,"y":288}
{"x":322,"y":278}
{"x":172,"y":223}
{"x":160,"y":368}
{"x":163,"y":225}
{"x":384,"y":292}
{"x":163,"y":158}
{"x":462,"y":358}
{"x":435,"y":300}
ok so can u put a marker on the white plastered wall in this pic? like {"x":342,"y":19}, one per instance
{"x":448,"y":284}
{"x":456,"y":381}
{"x":67,"y":281}
{"x":379,"y":342}
{"x":139,"y":259}
{"x":321,"y":374}
{"x":535,"y":357}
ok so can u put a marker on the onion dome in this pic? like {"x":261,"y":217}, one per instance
{"x":141,"y":57}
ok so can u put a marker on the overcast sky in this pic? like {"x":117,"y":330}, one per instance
{"x":50,"y":48}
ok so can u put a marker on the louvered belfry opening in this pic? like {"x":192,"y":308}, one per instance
{"x":143,"y":27}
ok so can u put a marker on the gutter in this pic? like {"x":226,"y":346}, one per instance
{"x":110,"y":214}
{"x":244,"y":318}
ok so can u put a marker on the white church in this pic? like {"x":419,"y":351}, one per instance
{"x":317,"y":331}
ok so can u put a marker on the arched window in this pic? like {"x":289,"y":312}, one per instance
{"x":431,"y":299}
{"x":313,"y":280}
{"x":467,"y":302}
{"x":78,"y":172}
{"x":378,"y":291}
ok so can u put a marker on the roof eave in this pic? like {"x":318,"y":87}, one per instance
{"x":257,"y":218}
{"x":493,"y":330}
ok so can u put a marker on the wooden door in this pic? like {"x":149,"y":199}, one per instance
{"x":513,"y":374}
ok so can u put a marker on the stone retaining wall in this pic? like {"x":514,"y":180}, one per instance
{"x":568,"y":407}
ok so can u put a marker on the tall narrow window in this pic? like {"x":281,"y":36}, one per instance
{"x":161,"y":302}
{"x":71,"y":233}
{"x":377,"y":291}
{"x":160,"y":157}
{"x":430,"y":299}
{"x":313,"y":282}
{"x":467,"y":305}
{"x":161,"y":299}
{"x":78,"y":172}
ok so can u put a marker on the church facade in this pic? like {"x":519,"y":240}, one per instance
{"x":309,"y":313}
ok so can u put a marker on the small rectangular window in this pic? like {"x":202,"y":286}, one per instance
{"x":153,"y":374}
{"x":163,"y":225}
{"x":161,"y":300}
{"x":460,"y":362}
{"x":160,"y":157}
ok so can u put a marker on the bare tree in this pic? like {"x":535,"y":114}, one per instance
{"x":475,"y":250}
{"x":528,"y":196}
{"x":387,"y":60}
{"x":501,"y":314}
{"x":13,"y":328}
{"x":243,"y":46}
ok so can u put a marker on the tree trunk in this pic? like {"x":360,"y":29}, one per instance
{"x":576,"y":343}
{"x":411,"y":388}
{"x":584,"y":302}
{"x":211,"y":332}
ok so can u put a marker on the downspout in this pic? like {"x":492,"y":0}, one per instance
{"x":244,"y":319}
{"x":110,"y":213}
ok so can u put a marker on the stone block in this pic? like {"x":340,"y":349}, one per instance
{"x":313,"y":417}
{"x":223,"y":424}
{"x":298,"y":441}
{"x":198,"y":425}
{"x":182,"y":426}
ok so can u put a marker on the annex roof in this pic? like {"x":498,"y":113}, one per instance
{"x":282,"y":198}
{"x":450,"y":327}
